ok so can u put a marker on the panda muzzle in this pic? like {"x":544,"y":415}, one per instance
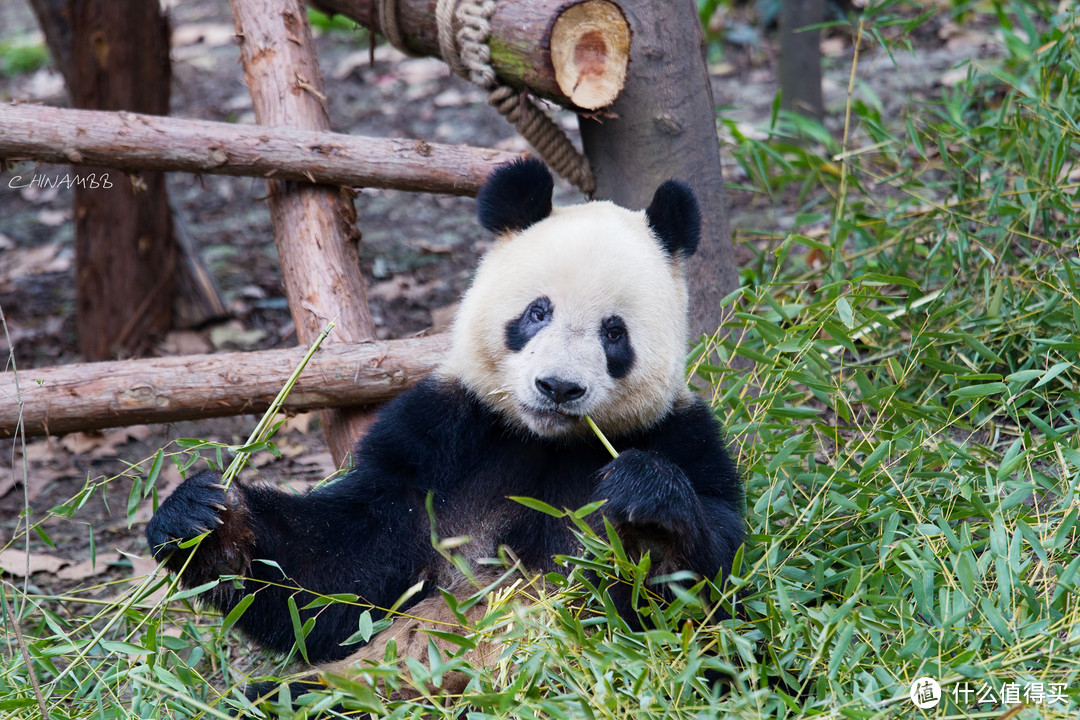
{"x":560,"y":391}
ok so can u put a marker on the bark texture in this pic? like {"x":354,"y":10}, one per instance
{"x":314,"y":225}
{"x":132,"y":142}
{"x":90,"y":396}
{"x":198,"y":300}
{"x":800,"y":57}
{"x":591,"y":35}
{"x":126,"y":256}
{"x":664,"y":126}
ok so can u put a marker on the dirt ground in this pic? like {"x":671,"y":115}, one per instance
{"x":417,"y":250}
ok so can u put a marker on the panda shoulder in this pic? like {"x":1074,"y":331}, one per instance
{"x":691,"y":417}
{"x":430,"y":416}
{"x":692,"y":433}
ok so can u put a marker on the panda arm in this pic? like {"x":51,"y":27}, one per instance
{"x":678,"y":494}
{"x":366,"y":534}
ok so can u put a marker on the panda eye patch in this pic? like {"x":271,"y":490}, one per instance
{"x":535,"y":317}
{"x":616,"y":340}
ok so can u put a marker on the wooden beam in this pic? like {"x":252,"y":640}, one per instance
{"x":314,"y":225}
{"x":133,"y":142}
{"x":90,"y":396}
{"x":572,"y":53}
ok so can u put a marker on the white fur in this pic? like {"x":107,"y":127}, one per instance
{"x":592,"y":261}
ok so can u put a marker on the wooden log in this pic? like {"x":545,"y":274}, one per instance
{"x":133,"y":142}
{"x":664,"y":126}
{"x":314,"y":226}
{"x":126,"y":255}
{"x":91,"y":396}
{"x":572,"y":53}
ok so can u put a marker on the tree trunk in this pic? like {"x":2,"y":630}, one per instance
{"x":314,"y":226}
{"x":144,"y":142}
{"x":800,"y":57}
{"x":54,"y":17}
{"x":126,"y":256}
{"x":664,"y":126}
{"x":197,"y":300}
{"x":572,"y":53}
{"x":91,"y":396}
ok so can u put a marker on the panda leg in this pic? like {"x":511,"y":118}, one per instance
{"x":411,"y":637}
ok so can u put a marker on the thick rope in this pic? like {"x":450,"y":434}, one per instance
{"x":444,"y":22}
{"x":469,"y":56}
{"x":388,"y":21}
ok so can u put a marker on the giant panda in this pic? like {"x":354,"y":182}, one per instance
{"x":575,"y":311}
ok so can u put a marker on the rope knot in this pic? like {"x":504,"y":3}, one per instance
{"x":469,"y":56}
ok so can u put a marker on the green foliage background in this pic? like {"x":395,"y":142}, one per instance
{"x":909,"y":428}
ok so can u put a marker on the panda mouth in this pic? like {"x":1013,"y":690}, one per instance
{"x":552,"y":418}
{"x":555,"y":412}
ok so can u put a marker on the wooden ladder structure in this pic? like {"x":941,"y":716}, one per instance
{"x":314,"y":224}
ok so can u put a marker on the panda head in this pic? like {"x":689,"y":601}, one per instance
{"x":578,"y":310}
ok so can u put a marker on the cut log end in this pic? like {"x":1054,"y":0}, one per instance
{"x":590,"y":50}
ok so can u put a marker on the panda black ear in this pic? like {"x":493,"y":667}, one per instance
{"x":674,"y":216}
{"x":515,"y":196}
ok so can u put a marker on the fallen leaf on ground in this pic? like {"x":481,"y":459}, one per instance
{"x":102,"y":443}
{"x":15,"y":562}
{"x":234,"y":334}
{"x":38,"y":260}
{"x":87,"y":569}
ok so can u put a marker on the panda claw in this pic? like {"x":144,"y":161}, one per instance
{"x":219,"y":507}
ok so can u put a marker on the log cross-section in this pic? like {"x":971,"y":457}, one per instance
{"x":90,"y":396}
{"x":313,"y":225}
{"x":572,"y":53}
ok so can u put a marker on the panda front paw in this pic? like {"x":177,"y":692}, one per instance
{"x":200,"y":504}
{"x":645,"y":489}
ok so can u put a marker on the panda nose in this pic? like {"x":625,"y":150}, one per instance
{"x":561,"y":391}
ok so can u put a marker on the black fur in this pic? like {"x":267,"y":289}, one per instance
{"x":532,"y":320}
{"x":515,"y":196}
{"x":675,"y":217}
{"x":617,"y":348}
{"x":673,"y":490}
